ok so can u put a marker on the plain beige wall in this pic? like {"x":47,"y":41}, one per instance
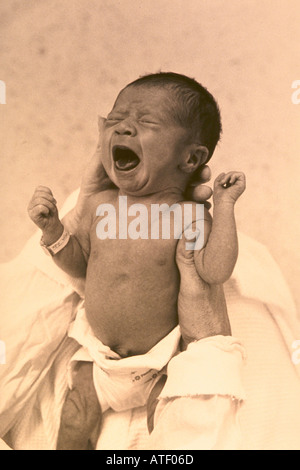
{"x":64,"y":61}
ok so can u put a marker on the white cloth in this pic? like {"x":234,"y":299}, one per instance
{"x":198,"y":423}
{"x":199,"y":404}
{"x":37,"y":427}
{"x":210,"y":367}
{"x":120,"y":383}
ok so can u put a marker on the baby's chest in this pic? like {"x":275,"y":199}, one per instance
{"x":136,"y":242}
{"x":129,"y":253}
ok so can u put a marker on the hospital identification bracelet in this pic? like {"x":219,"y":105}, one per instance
{"x":58,"y":245}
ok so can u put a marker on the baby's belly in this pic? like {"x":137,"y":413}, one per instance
{"x":131,"y":300}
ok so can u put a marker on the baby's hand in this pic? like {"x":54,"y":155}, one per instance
{"x":228,"y":187}
{"x":42,"y":209}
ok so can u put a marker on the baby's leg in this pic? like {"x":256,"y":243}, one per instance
{"x":81,"y":413}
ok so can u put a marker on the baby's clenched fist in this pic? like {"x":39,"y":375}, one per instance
{"x":42,"y":209}
{"x":228,"y":187}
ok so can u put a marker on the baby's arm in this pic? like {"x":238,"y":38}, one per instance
{"x":216,"y":261}
{"x":43,"y":211}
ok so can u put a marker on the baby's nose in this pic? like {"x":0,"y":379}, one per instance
{"x":126,"y":127}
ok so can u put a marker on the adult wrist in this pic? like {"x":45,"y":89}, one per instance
{"x":187,"y":340}
{"x":216,"y":327}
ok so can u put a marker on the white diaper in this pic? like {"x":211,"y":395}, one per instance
{"x":120,"y":383}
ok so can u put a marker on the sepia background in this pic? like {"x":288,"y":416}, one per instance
{"x":63,"y":63}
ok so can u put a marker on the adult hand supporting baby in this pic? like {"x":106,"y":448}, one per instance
{"x":197,"y":191}
{"x":202,"y":313}
{"x":202,"y":308}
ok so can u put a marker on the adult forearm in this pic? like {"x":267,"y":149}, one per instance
{"x":204,"y":314}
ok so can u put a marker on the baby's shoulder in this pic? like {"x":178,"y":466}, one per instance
{"x":93,"y":203}
{"x":108,"y":196}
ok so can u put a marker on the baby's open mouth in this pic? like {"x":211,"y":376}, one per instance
{"x":125,"y":159}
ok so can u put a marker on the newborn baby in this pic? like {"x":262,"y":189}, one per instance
{"x":162,"y":128}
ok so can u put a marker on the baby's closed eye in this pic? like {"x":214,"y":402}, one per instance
{"x":149,"y":122}
{"x":113,"y":119}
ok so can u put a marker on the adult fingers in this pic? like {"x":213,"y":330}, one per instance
{"x":199,"y":193}
{"x":202,"y":175}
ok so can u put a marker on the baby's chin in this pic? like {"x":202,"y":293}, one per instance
{"x":133,"y":188}
{"x":138,"y":182}
{"x":132,"y":182}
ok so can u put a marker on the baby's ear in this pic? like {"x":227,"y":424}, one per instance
{"x":197,"y":156}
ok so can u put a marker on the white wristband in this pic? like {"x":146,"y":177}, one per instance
{"x":58,"y":245}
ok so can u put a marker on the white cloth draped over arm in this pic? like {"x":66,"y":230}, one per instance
{"x":198,"y":406}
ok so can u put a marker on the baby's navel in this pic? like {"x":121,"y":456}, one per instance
{"x":162,"y":261}
{"x":121,"y":277}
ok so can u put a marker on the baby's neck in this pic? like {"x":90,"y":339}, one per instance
{"x":169,"y":196}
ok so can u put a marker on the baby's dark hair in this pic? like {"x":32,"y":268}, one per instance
{"x":194,"y":106}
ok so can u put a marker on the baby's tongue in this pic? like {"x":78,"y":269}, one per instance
{"x":125,"y":159}
{"x":126,"y":164}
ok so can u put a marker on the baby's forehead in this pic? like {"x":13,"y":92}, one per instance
{"x":145,"y":99}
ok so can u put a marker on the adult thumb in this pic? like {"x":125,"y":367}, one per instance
{"x":190,"y":241}
{"x":101,"y":122}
